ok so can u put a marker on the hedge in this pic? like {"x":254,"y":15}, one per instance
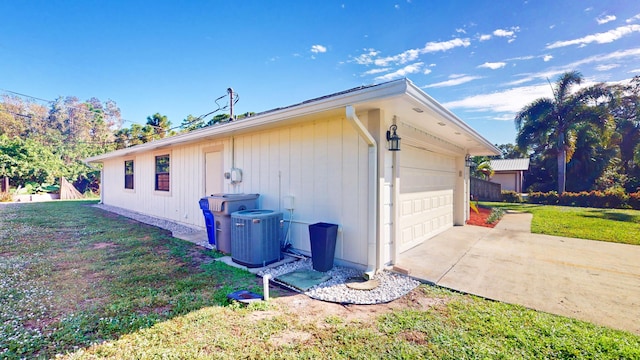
{"x":608,"y":199}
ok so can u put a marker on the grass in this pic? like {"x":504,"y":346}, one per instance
{"x":612,"y":225}
{"x":81,"y":283}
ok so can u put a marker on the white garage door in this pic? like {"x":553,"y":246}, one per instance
{"x":427,"y":181}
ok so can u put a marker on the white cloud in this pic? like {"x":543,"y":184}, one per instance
{"x":402,"y":58}
{"x":503,"y":33}
{"x":367,"y":58}
{"x":606,"y":67}
{"x":409,"y":69}
{"x":528,"y":57}
{"x":547,"y":58}
{"x":553,"y":72}
{"x":493,"y":65}
{"x":484,"y":37}
{"x":461,"y":31}
{"x":510,"y":34}
{"x":445,"y":45}
{"x":616,"y":55}
{"x":508,"y":101}
{"x":413,"y":54}
{"x":426,"y":71}
{"x":316,"y":49}
{"x":600,"y":38}
{"x":635,"y":71}
{"x":376,"y":71}
{"x":455,"y":80}
{"x":605,"y":19}
{"x":633,"y":19}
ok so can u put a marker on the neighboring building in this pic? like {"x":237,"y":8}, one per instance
{"x":329,"y":154}
{"x":510,"y":173}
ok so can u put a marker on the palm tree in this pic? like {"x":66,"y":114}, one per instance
{"x":482,"y":168}
{"x":547,"y":124}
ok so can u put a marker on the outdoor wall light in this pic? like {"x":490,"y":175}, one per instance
{"x":468,"y":162}
{"x":393,"y":139}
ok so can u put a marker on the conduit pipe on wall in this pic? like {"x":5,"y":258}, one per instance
{"x":373,"y":258}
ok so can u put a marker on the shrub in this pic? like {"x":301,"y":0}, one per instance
{"x":5,"y":197}
{"x":634,"y":200}
{"x":611,"y":198}
{"x":548,"y":198}
{"x":615,"y":198}
{"x":496,"y":214}
{"x":511,"y":196}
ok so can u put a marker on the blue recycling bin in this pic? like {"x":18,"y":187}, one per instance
{"x":208,"y":220}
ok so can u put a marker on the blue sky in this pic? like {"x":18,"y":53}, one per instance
{"x":483,"y":60}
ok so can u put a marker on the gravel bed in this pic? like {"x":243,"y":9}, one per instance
{"x":392,"y":286}
{"x":150,"y":220}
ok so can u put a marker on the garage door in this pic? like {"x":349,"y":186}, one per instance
{"x":427,"y":181}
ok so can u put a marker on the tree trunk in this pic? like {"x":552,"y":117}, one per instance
{"x":4,"y":185}
{"x":562,"y":164}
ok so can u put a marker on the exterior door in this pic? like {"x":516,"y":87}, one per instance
{"x":213,"y":177}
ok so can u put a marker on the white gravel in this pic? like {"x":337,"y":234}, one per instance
{"x":392,"y":286}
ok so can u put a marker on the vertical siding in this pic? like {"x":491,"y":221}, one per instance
{"x":187,"y":184}
{"x":322,"y":164}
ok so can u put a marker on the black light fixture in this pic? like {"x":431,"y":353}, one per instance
{"x":468,"y":161}
{"x":393,"y":139}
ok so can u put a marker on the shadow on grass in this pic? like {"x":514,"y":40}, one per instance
{"x":610,"y":215}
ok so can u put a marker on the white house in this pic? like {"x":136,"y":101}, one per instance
{"x":330,"y":154}
{"x":509,"y":173}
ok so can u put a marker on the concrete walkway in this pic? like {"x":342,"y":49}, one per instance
{"x":589,"y":280}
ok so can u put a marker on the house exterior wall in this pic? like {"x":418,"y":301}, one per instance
{"x":323,"y":164}
{"x":508,"y":180}
{"x":180,"y":204}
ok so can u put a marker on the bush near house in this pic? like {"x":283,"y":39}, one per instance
{"x":544,"y":198}
{"x":511,"y":196}
{"x":614,"y":198}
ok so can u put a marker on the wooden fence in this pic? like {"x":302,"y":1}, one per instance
{"x":485,"y":190}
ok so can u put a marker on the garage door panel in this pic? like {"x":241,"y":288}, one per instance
{"x":426,"y":195}
{"x":418,"y":223}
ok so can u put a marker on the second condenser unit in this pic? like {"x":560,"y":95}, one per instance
{"x":255,"y":237}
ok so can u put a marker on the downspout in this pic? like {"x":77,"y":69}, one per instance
{"x":373,"y":246}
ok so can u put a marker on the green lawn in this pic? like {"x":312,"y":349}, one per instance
{"x":77,"y":281}
{"x":612,"y":225}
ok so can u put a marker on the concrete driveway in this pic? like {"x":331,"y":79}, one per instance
{"x":589,"y":280}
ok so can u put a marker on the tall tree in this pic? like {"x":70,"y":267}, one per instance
{"x":191,"y":123}
{"x":160,"y":124}
{"x":625,"y":109}
{"x":549,"y":123}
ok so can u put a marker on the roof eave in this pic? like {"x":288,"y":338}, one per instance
{"x":385,"y":90}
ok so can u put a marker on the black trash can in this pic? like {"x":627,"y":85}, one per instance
{"x":323,"y":245}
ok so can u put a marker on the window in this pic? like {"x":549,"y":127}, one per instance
{"x":162,"y":173}
{"x":128,"y":174}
